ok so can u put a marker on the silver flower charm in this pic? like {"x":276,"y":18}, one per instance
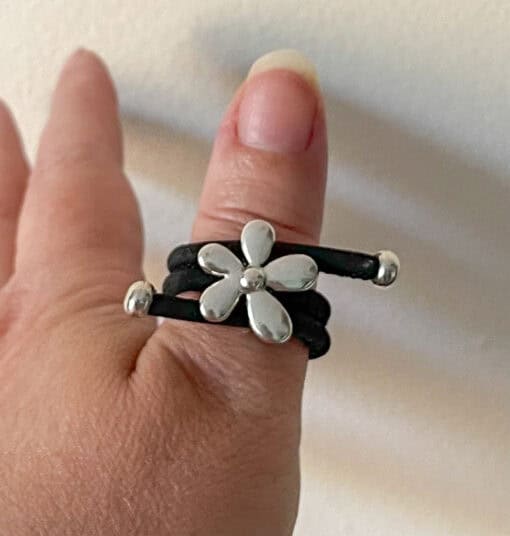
{"x":291,"y":273}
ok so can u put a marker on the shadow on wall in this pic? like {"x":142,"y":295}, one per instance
{"x":448,"y":220}
{"x":437,"y":191}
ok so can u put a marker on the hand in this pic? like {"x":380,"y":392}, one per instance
{"x":111,"y":425}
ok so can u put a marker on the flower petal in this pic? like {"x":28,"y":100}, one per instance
{"x":218,"y":300}
{"x":257,"y":239}
{"x":268,"y":318}
{"x":216,"y":259}
{"x":292,"y":273}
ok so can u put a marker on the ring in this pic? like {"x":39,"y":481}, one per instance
{"x":258,"y":282}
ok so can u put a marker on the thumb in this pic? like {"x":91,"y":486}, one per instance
{"x":269,"y":157}
{"x":268,"y":162}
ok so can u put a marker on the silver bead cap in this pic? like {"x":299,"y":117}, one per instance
{"x":389,"y":266}
{"x":138,"y":298}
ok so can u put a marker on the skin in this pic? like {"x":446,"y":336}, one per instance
{"x":113,"y":425}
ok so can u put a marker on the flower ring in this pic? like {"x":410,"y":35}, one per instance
{"x":291,"y":273}
{"x":227,"y":271}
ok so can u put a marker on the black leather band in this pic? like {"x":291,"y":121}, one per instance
{"x":305,"y":328}
{"x":192,"y":279}
{"x":308,"y":310}
{"x":329,"y":260}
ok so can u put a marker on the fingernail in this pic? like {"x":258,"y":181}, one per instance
{"x":279,"y":103}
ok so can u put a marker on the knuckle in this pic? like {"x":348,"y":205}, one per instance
{"x":258,"y":185}
{"x":228,"y":369}
{"x":229,"y":220}
{"x":83,"y":158}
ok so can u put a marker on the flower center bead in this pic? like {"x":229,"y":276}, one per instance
{"x":252,"y":279}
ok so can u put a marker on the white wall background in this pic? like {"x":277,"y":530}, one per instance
{"x":407,"y":421}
